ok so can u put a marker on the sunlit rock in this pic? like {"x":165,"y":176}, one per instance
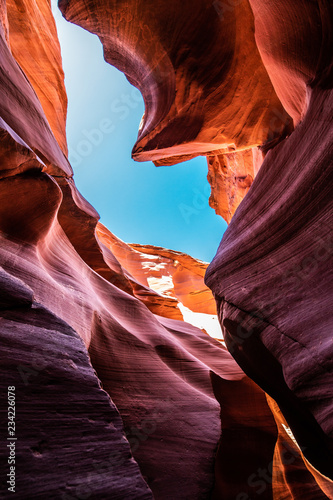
{"x":198,"y":68}
{"x":118,"y":395}
{"x":272,"y":275}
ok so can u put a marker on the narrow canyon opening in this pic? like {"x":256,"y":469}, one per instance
{"x":116,"y":381}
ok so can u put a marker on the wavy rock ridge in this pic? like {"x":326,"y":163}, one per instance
{"x":117,"y":397}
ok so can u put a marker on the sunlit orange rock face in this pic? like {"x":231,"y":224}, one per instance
{"x":230,"y":176}
{"x":170,"y":273}
{"x":117,"y":397}
{"x":34,"y":44}
{"x":22,"y":116}
{"x":198,"y":68}
{"x":73,"y":318}
{"x":205,"y":87}
{"x":295,"y":49}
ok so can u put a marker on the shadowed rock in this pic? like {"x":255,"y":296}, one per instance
{"x":141,"y":416}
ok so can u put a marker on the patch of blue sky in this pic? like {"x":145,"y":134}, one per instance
{"x":164,"y":206}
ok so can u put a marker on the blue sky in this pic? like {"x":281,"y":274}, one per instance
{"x":138,"y":202}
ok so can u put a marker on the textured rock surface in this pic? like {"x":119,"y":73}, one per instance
{"x":294,"y":40}
{"x":197,"y":67}
{"x":22,"y":116}
{"x":170,"y":273}
{"x":34,"y":44}
{"x":66,"y":426}
{"x":272,"y":275}
{"x":205,"y":88}
{"x":60,"y":284}
{"x":231,"y":176}
{"x":156,"y":370}
{"x":68,"y":287}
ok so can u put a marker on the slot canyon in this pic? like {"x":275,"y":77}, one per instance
{"x":115,"y":382}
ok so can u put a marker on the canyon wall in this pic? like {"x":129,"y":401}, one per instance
{"x":116,"y":396}
{"x":273,"y":265}
{"x":272,"y":275}
{"x":112,"y":400}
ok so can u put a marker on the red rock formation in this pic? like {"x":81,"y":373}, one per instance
{"x":272,"y":274}
{"x":197,"y":67}
{"x":59,"y":284}
{"x":22,"y":116}
{"x":231,"y":176}
{"x":271,"y":270}
{"x":205,"y":88}
{"x":170,"y":273}
{"x":34,"y":44}
{"x":294,"y":40}
{"x":294,"y":67}
{"x":69,"y":433}
{"x":154,"y":368}
{"x":65,"y":293}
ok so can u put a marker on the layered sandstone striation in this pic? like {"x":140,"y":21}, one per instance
{"x":230,"y":176}
{"x":33,"y":41}
{"x":54,"y":309}
{"x":23,"y":119}
{"x":169,"y":283}
{"x":272,"y":275}
{"x":64,"y":294}
{"x":295,"y":49}
{"x":286,"y":213}
{"x":205,"y":87}
{"x":198,"y":68}
{"x":117,"y":397}
{"x":272,"y":271}
{"x":170,"y":273}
